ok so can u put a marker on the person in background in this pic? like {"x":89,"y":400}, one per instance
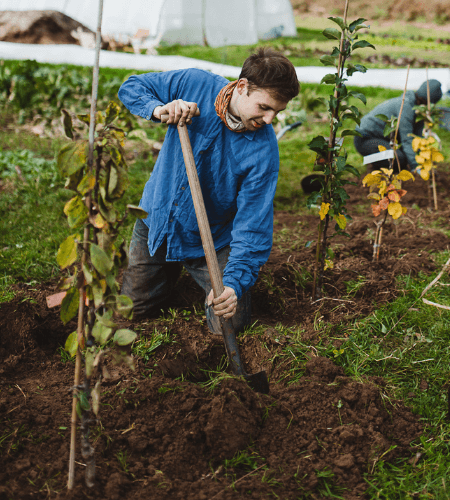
{"x":371,"y":127}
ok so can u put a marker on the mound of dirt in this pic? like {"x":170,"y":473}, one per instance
{"x":165,"y":439}
{"x":39,"y":26}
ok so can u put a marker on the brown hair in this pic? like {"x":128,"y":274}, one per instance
{"x":272,"y":71}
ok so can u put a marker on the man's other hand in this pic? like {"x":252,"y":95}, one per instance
{"x":179,"y":111}
{"x":225,"y":304}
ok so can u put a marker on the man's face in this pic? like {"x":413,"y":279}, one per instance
{"x":257,"y":109}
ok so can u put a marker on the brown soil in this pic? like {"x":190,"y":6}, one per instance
{"x":164,"y":435}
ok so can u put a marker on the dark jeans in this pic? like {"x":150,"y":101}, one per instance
{"x":149,"y":281}
{"x":369,"y":145}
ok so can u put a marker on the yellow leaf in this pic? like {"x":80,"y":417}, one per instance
{"x":425,"y":174}
{"x":328,"y":264}
{"x":437,"y":156}
{"x":376,"y":172}
{"x":387,"y":171}
{"x":428,"y":165}
{"x":382,"y":185}
{"x":404,"y":210}
{"x":416,"y":143}
{"x":324,"y":210}
{"x":371,"y":179}
{"x":381,"y":148}
{"x":420,"y":159}
{"x":395,"y":210}
{"x":373,"y":196}
{"x":431,"y":140}
{"x":405,"y":175}
{"x":340,"y":220}
{"x":426,"y":154}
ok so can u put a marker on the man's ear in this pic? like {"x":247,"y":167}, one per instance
{"x":242,"y":85}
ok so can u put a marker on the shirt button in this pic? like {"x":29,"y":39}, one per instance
{"x":171,"y":220}
{"x":183,"y":188}
{"x":148,"y":118}
{"x":176,"y":204}
{"x":202,"y":152}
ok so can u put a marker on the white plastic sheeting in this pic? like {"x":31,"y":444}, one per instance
{"x":74,"y":54}
{"x":218,"y":23}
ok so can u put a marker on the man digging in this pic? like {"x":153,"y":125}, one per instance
{"x":236,"y":153}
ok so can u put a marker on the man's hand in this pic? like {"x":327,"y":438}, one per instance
{"x":179,"y":111}
{"x":225,"y":304}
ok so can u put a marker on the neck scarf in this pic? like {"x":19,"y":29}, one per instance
{"x":222,"y":103}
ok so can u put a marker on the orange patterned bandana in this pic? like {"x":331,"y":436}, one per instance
{"x":222,"y":102}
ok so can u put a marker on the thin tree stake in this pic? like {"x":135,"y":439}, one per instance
{"x":80,"y":329}
{"x":400,"y":116}
{"x":433,"y":177}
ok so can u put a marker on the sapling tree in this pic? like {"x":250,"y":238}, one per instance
{"x":93,"y":255}
{"x":331,"y":160}
{"x":427,"y":147}
{"x":386,"y":192}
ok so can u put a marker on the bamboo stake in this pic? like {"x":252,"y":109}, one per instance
{"x":433,"y":177}
{"x":400,"y":116}
{"x":80,"y":328}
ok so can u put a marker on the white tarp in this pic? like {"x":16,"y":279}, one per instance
{"x":74,"y":54}
{"x":218,"y":23}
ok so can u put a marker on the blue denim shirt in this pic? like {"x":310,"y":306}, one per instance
{"x":238,"y":173}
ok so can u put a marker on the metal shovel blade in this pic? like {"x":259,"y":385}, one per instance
{"x":258,"y":382}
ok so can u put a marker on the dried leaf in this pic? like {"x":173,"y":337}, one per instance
{"x":376,"y":210}
{"x":384,"y":203}
{"x":394,"y":196}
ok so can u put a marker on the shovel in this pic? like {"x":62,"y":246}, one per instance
{"x":257,"y":381}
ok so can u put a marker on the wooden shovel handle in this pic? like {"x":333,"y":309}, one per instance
{"x":202,"y":218}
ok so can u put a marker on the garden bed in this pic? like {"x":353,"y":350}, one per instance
{"x":172,"y":429}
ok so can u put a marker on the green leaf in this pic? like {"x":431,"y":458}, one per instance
{"x":76,"y":211}
{"x":69,"y":306}
{"x":86,"y":184}
{"x":359,"y":22}
{"x":347,"y":132}
{"x":67,"y":253}
{"x":84,"y":401}
{"x":88,"y":276}
{"x":319,"y":145}
{"x":97,"y":293}
{"x":351,"y":169}
{"x":67,"y":122}
{"x":384,"y":118}
{"x":332,"y":33}
{"x":329,"y":79}
{"x":361,"y":44}
{"x":73,"y":180}
{"x":113,"y":180}
{"x":124,"y":306}
{"x":71,"y":344}
{"x":328,"y":60}
{"x":138,"y":212}
{"x":112,"y":112}
{"x":101,"y":260}
{"x":85,"y":118}
{"x":358,"y":95}
{"x":124,"y":337}
{"x":353,"y":68}
{"x":72,"y":157}
{"x":101,"y":333}
{"x":89,"y":362}
{"x":339,"y":21}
